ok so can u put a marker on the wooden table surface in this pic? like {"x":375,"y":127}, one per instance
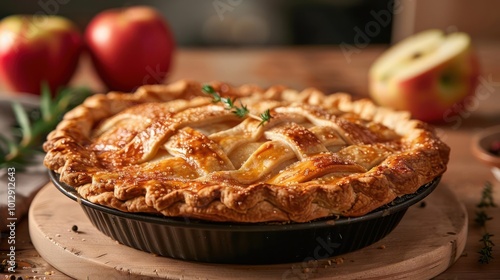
{"x":328,"y":69}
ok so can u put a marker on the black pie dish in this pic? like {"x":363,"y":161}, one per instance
{"x":238,"y":243}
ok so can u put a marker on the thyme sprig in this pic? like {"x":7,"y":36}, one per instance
{"x":32,"y":126}
{"x":487,"y":197}
{"x":241,"y":111}
{"x":486,"y":252}
{"x":481,"y":218}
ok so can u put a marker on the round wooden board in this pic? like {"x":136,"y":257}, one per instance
{"x":428,"y":240}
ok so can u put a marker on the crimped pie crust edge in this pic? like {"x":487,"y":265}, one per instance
{"x":424,"y":159}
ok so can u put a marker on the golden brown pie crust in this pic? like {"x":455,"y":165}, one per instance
{"x":169,"y":150}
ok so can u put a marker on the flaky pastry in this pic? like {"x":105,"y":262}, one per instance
{"x":169,"y":150}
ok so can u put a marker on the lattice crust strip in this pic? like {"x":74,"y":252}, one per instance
{"x":168,"y":150}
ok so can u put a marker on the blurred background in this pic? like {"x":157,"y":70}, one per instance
{"x":348,"y":26}
{"x":197,"y":23}
{"x":234,"y":22}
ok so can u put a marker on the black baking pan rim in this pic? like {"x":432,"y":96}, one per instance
{"x":247,"y":244}
{"x":398,"y":204}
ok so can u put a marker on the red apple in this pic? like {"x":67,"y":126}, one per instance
{"x":130,"y":47}
{"x":429,"y":74}
{"x":38,"y":49}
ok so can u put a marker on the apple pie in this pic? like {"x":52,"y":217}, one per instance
{"x":171,"y":150}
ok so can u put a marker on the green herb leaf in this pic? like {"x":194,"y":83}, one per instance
{"x":265,"y":117}
{"x":487,"y":201}
{"x":33,"y":132}
{"x":228,"y":103}
{"x":211,"y":91}
{"x":23,"y":121}
{"x":487,"y":197}
{"x":486,"y":251}
{"x":45,"y":102}
{"x":241,"y":111}
{"x":481,"y":218}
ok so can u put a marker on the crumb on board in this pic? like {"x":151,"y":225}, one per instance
{"x":334,"y":261}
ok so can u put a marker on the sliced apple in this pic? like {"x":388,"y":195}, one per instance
{"x":426,"y":74}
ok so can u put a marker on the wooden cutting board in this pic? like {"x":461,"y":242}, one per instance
{"x":429,"y":239}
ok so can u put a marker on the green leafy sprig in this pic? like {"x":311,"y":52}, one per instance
{"x":486,"y":252}
{"x":482,"y":217}
{"x":33,"y":125}
{"x":241,"y":111}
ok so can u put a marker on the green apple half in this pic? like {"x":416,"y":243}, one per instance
{"x":426,"y":74}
